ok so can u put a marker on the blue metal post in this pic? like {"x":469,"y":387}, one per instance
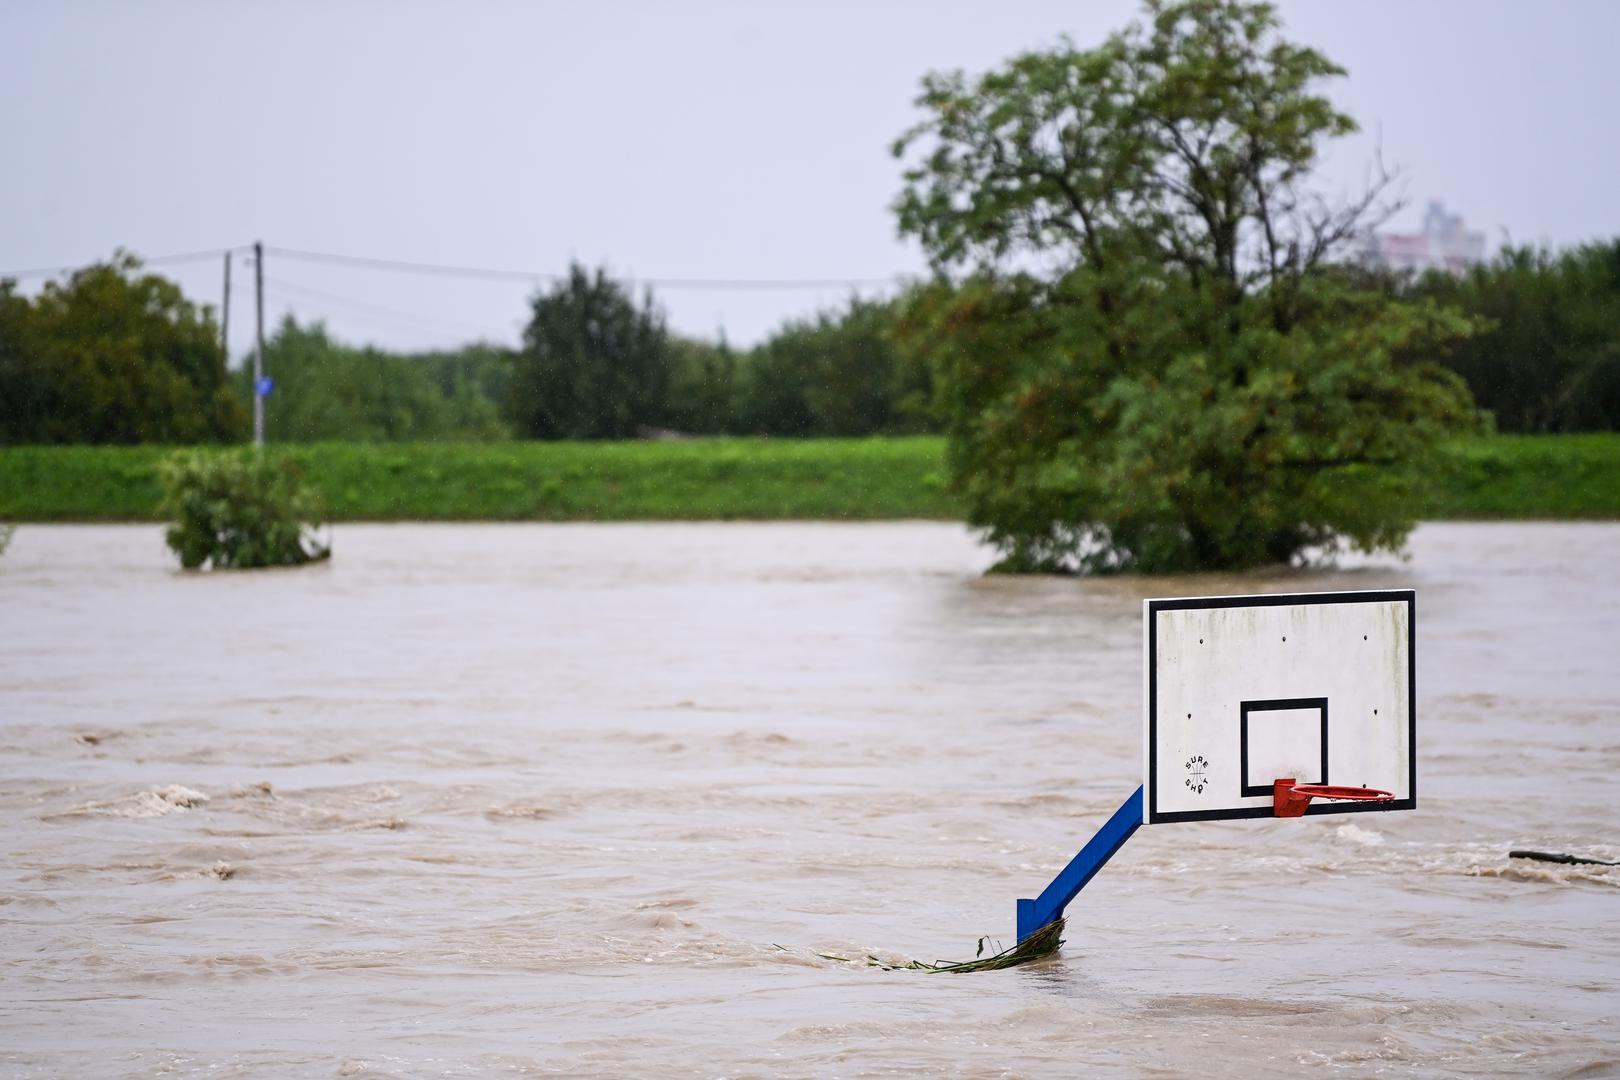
{"x":1048,"y":907}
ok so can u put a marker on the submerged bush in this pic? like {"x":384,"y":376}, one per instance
{"x":239,"y":509}
{"x":5,"y":536}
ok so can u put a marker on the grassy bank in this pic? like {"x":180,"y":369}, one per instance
{"x":526,"y":481}
{"x":1569,"y":476}
{"x":1525,"y":476}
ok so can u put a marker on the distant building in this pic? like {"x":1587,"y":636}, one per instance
{"x":1444,"y":244}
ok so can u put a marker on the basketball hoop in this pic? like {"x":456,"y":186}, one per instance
{"x":1240,"y":690}
{"x":1291,"y":799}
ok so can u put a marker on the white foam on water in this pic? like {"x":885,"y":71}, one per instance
{"x":1357,"y":834}
{"x":144,"y":804}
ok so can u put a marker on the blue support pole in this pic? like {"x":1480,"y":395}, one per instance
{"x":1048,"y":907}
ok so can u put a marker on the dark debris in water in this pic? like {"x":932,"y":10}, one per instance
{"x":1560,"y":857}
{"x":1044,"y":942}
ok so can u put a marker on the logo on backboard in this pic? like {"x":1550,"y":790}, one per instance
{"x":1197,"y":773}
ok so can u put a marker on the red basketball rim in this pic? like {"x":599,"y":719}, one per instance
{"x":1339,"y":791}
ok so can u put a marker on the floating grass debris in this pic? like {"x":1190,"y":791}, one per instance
{"x":1044,"y":942}
{"x":1560,"y":857}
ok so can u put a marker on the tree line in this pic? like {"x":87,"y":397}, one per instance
{"x":115,"y":355}
{"x":595,"y":363}
{"x":1544,"y":355}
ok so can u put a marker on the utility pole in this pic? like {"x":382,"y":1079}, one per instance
{"x":258,"y":350}
{"x":225,"y":314}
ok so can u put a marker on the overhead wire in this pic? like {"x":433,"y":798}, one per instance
{"x":402,"y":266}
{"x":492,"y":273}
{"x":483,"y":272}
{"x":278,"y":285}
{"x":157,"y":260}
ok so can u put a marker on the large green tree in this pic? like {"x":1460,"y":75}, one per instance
{"x":112,"y":355}
{"x":1149,"y":357}
{"x":594,"y":365}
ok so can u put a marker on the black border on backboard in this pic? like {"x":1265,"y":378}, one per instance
{"x":1320,"y":704}
{"x":1152,"y":814}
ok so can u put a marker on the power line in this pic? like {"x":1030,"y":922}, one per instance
{"x":280,"y":285}
{"x":416,"y":267}
{"x":482,"y":272}
{"x":491,"y":273}
{"x":159,"y":260}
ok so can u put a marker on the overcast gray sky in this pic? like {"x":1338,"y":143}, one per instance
{"x":676,"y":140}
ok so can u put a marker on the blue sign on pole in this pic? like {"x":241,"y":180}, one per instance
{"x":265,"y":385}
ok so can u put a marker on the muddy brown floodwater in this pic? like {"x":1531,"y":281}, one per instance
{"x":589,"y":800}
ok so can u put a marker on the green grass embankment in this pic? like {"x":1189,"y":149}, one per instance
{"x":1524,"y":476}
{"x":701,"y":479}
{"x":1497,"y":477}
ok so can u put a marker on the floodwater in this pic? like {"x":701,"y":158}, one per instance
{"x":590,"y":800}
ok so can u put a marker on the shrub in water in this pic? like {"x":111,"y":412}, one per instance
{"x":239,"y":509}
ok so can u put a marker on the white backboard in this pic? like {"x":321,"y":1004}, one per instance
{"x":1241,"y":691}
